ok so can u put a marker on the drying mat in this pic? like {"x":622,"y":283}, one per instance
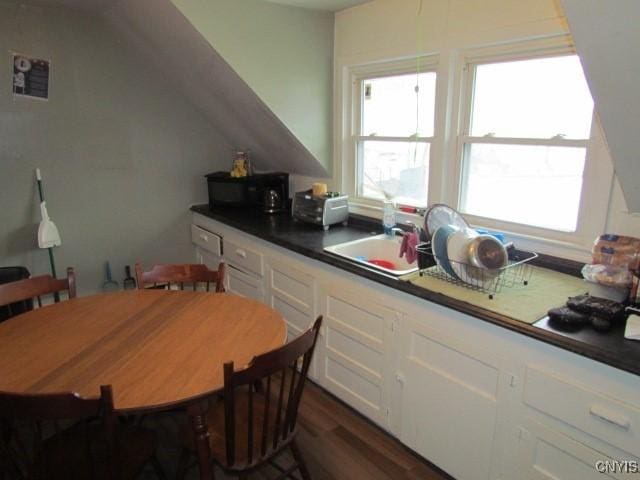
{"x":526,"y":303}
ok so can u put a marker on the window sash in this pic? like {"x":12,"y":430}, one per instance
{"x":465,"y":112}
{"x":545,"y":142}
{"x":359,"y":164}
{"x":378,"y":138}
{"x":357,"y":75}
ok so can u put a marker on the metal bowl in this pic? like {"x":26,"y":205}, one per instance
{"x":488,"y":255}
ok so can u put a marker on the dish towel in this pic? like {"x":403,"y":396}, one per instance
{"x":632,"y":330}
{"x":409,"y":247}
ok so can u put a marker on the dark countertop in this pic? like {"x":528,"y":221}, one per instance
{"x":310,"y":240}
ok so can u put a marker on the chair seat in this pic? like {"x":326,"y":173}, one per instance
{"x":65,"y":456}
{"x":216,"y":425}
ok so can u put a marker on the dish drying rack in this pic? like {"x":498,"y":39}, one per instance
{"x":518,"y":271}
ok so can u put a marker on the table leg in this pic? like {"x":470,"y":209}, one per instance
{"x":198,"y":418}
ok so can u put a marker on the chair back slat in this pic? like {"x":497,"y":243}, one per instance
{"x":275,"y":429}
{"x":286,"y":430}
{"x":179,"y":275}
{"x":277,"y":420}
{"x":265,"y":418}
{"x":24,"y":291}
{"x":250,"y":427}
{"x":230,"y":415}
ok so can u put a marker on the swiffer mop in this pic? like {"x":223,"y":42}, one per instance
{"x":48,"y":235}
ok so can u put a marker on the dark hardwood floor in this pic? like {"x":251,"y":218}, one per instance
{"x":337,"y":444}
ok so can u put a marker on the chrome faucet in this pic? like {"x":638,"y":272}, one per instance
{"x":415,"y":227}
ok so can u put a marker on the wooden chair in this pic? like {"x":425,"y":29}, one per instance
{"x":8,"y":275}
{"x":33,"y":444}
{"x":22,"y":292}
{"x":251,"y":428}
{"x":163,"y":276}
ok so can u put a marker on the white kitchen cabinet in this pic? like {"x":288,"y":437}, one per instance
{"x":477,"y":400}
{"x":208,"y":246}
{"x":450,"y":398}
{"x":245,"y":268}
{"x":206,"y":240}
{"x":545,"y":453}
{"x":243,"y":256}
{"x":243,"y":284}
{"x":358,"y":364}
{"x":565,"y":428}
{"x":291,"y":291}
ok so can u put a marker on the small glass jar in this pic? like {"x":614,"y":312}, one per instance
{"x":243,"y":156}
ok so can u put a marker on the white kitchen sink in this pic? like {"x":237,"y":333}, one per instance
{"x":379,"y":247}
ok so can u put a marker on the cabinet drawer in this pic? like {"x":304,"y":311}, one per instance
{"x":244,"y":285}
{"x":206,"y":240}
{"x":243,"y":257}
{"x":546,"y":454}
{"x":592,"y":412}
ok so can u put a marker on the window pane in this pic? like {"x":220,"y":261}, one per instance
{"x":392,"y":108}
{"x":537,"y":98}
{"x":532,"y":185}
{"x":399,"y":168}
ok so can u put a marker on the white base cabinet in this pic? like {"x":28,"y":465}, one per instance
{"x":292,"y":292}
{"x":358,"y":363}
{"x":544,"y":453}
{"x":451,"y":390}
{"x":479,"y":401}
{"x":243,"y":284}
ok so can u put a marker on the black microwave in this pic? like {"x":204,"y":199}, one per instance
{"x":268,"y":191}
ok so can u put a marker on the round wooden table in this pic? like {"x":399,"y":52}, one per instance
{"x":157,"y":348}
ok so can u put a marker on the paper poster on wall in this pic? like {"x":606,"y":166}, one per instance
{"x":30,"y":77}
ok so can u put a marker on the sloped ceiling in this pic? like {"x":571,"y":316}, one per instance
{"x":162,"y":33}
{"x":168,"y":40}
{"x":607,"y":38}
{"x":284,"y":54}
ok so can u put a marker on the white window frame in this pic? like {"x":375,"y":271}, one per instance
{"x":598,"y":172}
{"x":356,"y":74}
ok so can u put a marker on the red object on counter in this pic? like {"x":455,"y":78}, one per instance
{"x":407,"y":209}
{"x":382,"y":263}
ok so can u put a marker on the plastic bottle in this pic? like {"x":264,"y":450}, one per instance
{"x":388,"y":216}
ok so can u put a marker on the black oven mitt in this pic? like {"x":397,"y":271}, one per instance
{"x":600,"y":324}
{"x":602,"y":308}
{"x":564,"y":318}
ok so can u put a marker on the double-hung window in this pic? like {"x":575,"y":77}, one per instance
{"x":526,"y":128}
{"x":393,"y":125}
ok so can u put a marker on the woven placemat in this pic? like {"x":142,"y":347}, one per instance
{"x":527,"y":303}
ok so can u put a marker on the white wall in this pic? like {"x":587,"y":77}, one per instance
{"x":284,"y":54}
{"x":122,"y":152}
{"x":394,"y":29}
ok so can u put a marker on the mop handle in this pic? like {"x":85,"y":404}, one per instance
{"x":56,"y":296}
{"x":39,"y":182}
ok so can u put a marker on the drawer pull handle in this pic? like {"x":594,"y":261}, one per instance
{"x":204,"y":237}
{"x":609,"y":416}
{"x":241,"y":253}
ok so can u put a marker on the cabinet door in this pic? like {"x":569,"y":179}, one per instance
{"x":449,"y":401}
{"x":546,"y":454}
{"x":292,"y":293}
{"x":358,"y":352}
{"x":243,"y":284}
{"x":211,"y":260}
